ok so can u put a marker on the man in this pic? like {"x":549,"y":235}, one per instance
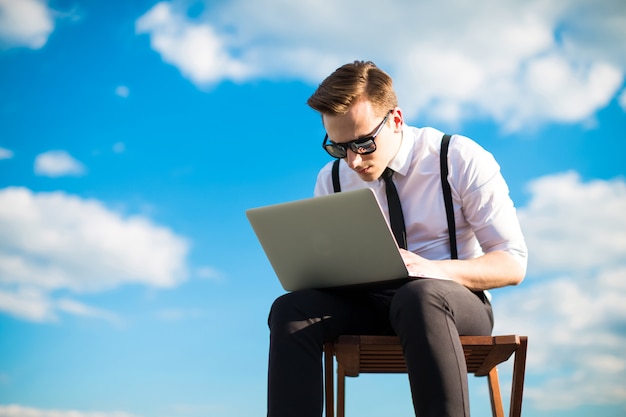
{"x":365,"y":129}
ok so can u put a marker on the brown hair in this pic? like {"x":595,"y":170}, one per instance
{"x":350,"y":83}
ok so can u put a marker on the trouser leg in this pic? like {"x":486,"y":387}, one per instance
{"x":300,"y":323}
{"x":429,"y":316}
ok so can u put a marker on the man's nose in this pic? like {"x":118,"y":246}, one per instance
{"x":353,"y":159}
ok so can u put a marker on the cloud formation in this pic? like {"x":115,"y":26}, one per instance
{"x":122,"y":91}
{"x":51,"y":242}
{"x":196,"y":49}
{"x":6,"y":153}
{"x":590,"y":231}
{"x":572,"y":304}
{"x":58,"y":163}
{"x":25,"y":23}
{"x":527,"y":63}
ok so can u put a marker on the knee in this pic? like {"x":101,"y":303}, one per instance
{"x":280,"y":309}
{"x":290,"y":308}
{"x":417,"y":300}
{"x":291,"y":314}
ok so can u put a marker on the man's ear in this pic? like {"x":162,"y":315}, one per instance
{"x":397,"y":119}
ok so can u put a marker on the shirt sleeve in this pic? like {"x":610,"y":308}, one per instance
{"x":487,"y":207}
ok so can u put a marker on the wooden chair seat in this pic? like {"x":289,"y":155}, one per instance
{"x":383,"y":354}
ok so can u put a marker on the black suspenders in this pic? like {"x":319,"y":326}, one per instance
{"x":336,"y":183}
{"x":447,"y":195}
{"x":445,"y":185}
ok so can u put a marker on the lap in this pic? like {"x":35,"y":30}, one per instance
{"x":429,"y":300}
{"x":337,"y":311}
{"x":368,"y":310}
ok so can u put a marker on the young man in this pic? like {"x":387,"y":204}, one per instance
{"x":365,"y":129}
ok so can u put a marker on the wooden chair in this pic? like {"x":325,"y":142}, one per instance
{"x":383,"y":354}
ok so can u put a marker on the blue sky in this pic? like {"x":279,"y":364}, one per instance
{"x":134,"y":135}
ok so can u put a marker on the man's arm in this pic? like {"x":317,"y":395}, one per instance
{"x":487,"y":207}
{"x":492,"y":270}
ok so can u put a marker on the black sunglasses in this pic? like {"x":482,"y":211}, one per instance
{"x":361,"y":146}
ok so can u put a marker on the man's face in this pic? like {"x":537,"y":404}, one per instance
{"x":361,"y":121}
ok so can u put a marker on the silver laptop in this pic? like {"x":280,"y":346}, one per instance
{"x":336,"y":240}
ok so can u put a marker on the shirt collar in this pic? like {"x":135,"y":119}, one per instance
{"x":402,"y":161}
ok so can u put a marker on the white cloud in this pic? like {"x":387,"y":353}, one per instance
{"x":52,"y":242}
{"x":575,"y":226}
{"x":58,"y":163}
{"x":77,"y":308}
{"x":6,"y":153}
{"x":15,"y":410}
{"x":27,"y":303}
{"x":555,"y":88}
{"x":572,"y":304}
{"x":197,"y":50}
{"x":520,"y":63}
{"x":122,"y":91}
{"x":25,"y":23}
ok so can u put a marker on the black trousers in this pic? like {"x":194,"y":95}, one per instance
{"x":428,"y":315}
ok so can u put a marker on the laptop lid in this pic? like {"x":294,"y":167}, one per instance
{"x":334,"y":240}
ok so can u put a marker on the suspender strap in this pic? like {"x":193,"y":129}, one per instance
{"x":336,"y":183}
{"x":447,"y":195}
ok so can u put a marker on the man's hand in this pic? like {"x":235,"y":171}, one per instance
{"x":422,"y":267}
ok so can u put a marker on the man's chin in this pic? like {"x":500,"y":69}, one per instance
{"x":368,"y":176}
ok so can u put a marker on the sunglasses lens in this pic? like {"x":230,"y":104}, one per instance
{"x":336,"y":151}
{"x":364,"y":146}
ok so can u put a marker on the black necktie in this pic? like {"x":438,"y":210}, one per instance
{"x":395,"y":209}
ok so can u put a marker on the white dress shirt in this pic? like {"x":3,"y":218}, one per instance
{"x":485,"y":216}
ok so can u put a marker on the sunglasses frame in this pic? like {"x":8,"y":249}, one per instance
{"x":361,"y":146}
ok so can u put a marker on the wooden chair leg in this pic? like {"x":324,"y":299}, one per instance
{"x":341,"y":391}
{"x":495,"y":396}
{"x":519,"y":369}
{"x":329,"y":386}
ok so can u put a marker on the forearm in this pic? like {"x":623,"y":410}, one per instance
{"x":492,"y":270}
